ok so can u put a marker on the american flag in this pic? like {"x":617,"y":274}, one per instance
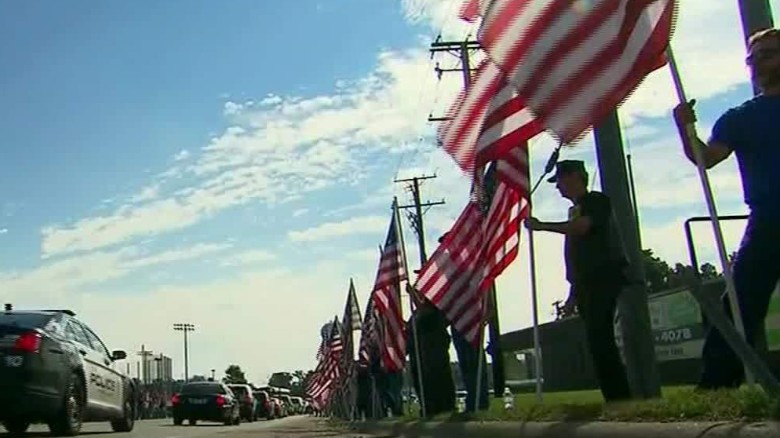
{"x":574,"y":61}
{"x":477,"y":249}
{"x":368,"y":333}
{"x":486,"y":121}
{"x":387,"y":299}
{"x":351,"y":319}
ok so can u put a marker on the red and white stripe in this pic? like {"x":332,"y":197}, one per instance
{"x":327,"y":371}
{"x":486,"y":121}
{"x":368,"y":334}
{"x":575,"y":61}
{"x":477,"y":249}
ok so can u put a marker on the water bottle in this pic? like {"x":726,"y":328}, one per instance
{"x":509,"y":399}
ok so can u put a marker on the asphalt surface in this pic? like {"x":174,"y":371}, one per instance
{"x":299,"y":426}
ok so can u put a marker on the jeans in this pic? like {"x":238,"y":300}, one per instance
{"x":597,"y":301}
{"x":756,"y":272}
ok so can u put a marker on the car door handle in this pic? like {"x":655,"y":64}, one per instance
{"x":83,"y":352}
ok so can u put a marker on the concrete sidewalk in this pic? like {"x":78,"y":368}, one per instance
{"x":571,"y":430}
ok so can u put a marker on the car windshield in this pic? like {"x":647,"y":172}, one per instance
{"x":26,"y":320}
{"x":202,"y":389}
{"x":238,"y":390}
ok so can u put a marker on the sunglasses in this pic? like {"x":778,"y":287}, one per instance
{"x":761,"y":55}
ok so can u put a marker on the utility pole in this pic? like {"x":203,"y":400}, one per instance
{"x":638,"y":345}
{"x":186,"y":328}
{"x":460,"y":49}
{"x":416,"y":218}
{"x":463,"y":50}
{"x":144,"y":353}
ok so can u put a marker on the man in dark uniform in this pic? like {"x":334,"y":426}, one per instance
{"x":435,"y":364}
{"x":468,"y":362}
{"x":752,"y":132}
{"x":595,"y":268}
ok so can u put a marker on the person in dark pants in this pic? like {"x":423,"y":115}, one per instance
{"x":364,"y":391}
{"x":750,"y":130}
{"x":595,"y":269}
{"x":468,"y":362}
{"x":434,"y":348}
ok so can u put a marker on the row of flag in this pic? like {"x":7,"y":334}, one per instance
{"x":551,"y":65}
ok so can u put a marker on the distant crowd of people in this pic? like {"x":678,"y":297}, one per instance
{"x":153,"y":403}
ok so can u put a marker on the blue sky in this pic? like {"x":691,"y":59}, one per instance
{"x":231,"y":163}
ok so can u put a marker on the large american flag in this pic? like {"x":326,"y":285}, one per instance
{"x":573,"y":61}
{"x":479,"y":246}
{"x":387,"y":299}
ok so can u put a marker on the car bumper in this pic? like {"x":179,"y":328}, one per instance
{"x":207,"y":414}
{"x":23,"y":401}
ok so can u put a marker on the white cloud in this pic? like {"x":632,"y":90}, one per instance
{"x":181,"y":155}
{"x":249,"y":257}
{"x":440,"y":15}
{"x":278,"y":150}
{"x":148,"y":193}
{"x":189,"y":253}
{"x":366,"y":255}
{"x":330,"y":230}
{"x":300,"y":212}
{"x":3,"y":230}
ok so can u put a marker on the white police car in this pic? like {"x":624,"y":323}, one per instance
{"x":55,"y":370}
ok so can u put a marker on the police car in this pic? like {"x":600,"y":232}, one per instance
{"x":55,"y":370}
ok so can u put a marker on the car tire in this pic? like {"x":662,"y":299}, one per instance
{"x":69,"y":419}
{"x":16,"y":427}
{"x":237,"y":421}
{"x":193,"y":422}
{"x":126,"y":423}
{"x":178,"y":421}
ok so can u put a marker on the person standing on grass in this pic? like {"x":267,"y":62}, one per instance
{"x":752,"y":131}
{"x":595,"y":268}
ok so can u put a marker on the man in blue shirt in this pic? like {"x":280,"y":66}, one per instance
{"x":752,"y":131}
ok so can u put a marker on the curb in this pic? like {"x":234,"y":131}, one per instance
{"x":500,"y":429}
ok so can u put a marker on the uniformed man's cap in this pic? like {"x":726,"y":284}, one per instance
{"x":566,"y":167}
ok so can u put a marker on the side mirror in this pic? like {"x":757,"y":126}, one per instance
{"x":118,"y":355}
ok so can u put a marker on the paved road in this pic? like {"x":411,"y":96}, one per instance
{"x":305,"y":427}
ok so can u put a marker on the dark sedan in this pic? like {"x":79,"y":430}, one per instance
{"x":207,"y":401}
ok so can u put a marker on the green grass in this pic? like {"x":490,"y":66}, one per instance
{"x":676,"y":404}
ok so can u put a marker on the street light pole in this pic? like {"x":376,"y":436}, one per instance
{"x":212,"y":373}
{"x":186,"y":328}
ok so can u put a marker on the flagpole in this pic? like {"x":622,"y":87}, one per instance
{"x":412,"y":307}
{"x":690,"y":132}
{"x":532,"y":268}
{"x":549,"y":167}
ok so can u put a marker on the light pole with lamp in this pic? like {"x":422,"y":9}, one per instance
{"x":186,"y":328}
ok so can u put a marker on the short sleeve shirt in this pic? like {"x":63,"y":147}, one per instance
{"x":752,"y":131}
{"x":599,"y":251}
